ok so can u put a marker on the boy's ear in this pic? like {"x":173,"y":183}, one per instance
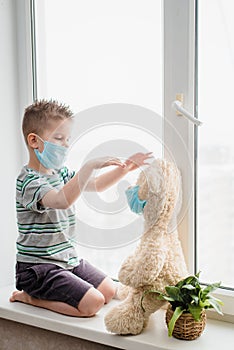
{"x":32,"y":140}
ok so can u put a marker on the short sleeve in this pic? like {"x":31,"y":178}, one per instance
{"x":66,"y":174}
{"x":34,"y":189}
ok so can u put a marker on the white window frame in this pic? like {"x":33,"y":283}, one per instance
{"x":180,"y":70}
{"x":25,"y":59}
{"x":179,"y":74}
{"x":179,"y":77}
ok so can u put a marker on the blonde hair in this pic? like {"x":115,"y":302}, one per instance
{"x":38,"y":115}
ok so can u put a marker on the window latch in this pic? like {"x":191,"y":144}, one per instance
{"x":177,"y":105}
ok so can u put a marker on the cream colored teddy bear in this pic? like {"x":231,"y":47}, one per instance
{"x":158,"y":260}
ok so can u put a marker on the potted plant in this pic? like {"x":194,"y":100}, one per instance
{"x":185,"y":316}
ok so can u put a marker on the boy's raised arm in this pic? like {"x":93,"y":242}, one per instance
{"x":104,"y":181}
{"x":64,"y":198}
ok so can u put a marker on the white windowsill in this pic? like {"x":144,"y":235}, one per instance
{"x":217,"y":334}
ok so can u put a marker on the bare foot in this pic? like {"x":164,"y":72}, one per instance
{"x":21,"y":296}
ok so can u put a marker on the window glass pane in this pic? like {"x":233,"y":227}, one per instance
{"x":216,"y":142}
{"x":107,"y":54}
{"x":94,"y":52}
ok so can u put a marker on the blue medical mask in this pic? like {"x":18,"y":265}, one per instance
{"x":136,"y":205}
{"x":53,"y":156}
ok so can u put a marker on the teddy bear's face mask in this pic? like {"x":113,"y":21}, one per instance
{"x":135,"y":203}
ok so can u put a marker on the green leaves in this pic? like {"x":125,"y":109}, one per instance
{"x":195,"y":311}
{"x":177,"y":313}
{"x":209,"y":289}
{"x":216,"y":304}
{"x":188,"y":296}
{"x":174,"y":293}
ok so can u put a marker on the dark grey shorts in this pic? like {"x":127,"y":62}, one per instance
{"x":51,"y":282}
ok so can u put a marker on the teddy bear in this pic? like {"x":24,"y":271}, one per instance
{"x":158,"y":260}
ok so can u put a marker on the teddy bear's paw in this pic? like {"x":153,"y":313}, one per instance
{"x":136,"y":278}
{"x":122,"y":320}
{"x":129,"y":276}
{"x":121,"y":291}
{"x":128,"y":270}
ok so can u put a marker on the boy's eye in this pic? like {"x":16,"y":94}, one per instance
{"x":62,"y":139}
{"x":58,"y":138}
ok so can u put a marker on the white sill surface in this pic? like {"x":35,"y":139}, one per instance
{"x":217,"y":334}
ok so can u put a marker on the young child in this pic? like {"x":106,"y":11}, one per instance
{"x":49,"y":274}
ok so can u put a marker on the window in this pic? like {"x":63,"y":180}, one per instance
{"x":104,"y":59}
{"x":215,"y":245}
{"x":185,"y":41}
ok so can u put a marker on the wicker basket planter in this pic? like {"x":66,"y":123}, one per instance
{"x":186,"y":327}
{"x":187,"y":294}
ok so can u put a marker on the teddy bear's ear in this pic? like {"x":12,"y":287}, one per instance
{"x":177,"y":184}
{"x":156,"y":185}
{"x":153,"y":208}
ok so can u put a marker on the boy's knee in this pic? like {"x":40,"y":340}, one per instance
{"x":108,"y":289}
{"x":109,"y":294}
{"x":91,"y":302}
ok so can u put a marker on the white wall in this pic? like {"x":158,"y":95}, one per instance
{"x":10,"y":145}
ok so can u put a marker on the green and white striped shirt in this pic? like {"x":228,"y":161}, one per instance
{"x":45,"y":234}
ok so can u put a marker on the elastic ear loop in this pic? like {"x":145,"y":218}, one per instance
{"x":40,"y":138}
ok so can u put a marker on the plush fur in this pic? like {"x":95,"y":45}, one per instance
{"x":158,"y":260}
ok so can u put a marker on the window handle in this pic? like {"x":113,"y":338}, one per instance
{"x":177,"y":105}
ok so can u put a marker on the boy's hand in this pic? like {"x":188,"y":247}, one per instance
{"x":103,"y":162}
{"x":137,"y":160}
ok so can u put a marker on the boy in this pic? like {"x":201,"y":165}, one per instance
{"x":49,"y":274}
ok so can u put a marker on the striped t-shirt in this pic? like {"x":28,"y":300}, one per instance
{"x":45,"y":234}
